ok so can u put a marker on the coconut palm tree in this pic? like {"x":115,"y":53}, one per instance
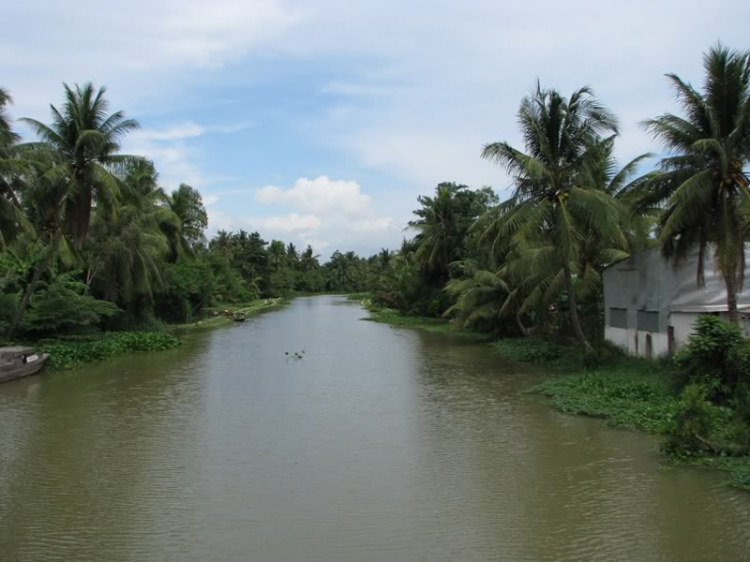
{"x":222,"y":243}
{"x":292,"y":254}
{"x":702,"y":187}
{"x":7,"y":136}
{"x":552,"y":207}
{"x":439,"y":235}
{"x":12,"y":219}
{"x":187,"y":204}
{"x":125,"y":251}
{"x":479,"y":296}
{"x":79,"y":153}
{"x":309,"y":259}
{"x":277,"y":257}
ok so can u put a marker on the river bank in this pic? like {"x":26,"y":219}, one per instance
{"x":394,"y":318}
{"x":74,"y":351}
{"x":216,"y":317}
{"x":625,"y":392}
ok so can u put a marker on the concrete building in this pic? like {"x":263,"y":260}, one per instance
{"x":650,"y":305}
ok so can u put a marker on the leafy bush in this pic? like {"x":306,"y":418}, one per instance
{"x":716,"y":357}
{"x":532,"y":350}
{"x":693,"y":424}
{"x":741,"y":479}
{"x":186,"y":287}
{"x":741,"y":422}
{"x":8,"y":306}
{"x":69,"y":353}
{"x":63,"y":305}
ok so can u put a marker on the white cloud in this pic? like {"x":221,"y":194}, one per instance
{"x":146,"y":51}
{"x":174,"y":152}
{"x":322,"y":212}
{"x":180,"y":131}
{"x":173,"y":155}
{"x":425,"y":158}
{"x":209,"y":200}
{"x":320,"y":195}
{"x":293,"y":222}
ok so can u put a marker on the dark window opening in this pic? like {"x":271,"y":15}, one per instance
{"x":648,"y":321}
{"x":618,"y":318}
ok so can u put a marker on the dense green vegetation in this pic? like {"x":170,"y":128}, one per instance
{"x":89,"y":241}
{"x":700,"y":402}
{"x":67,"y":353}
{"x":532,"y":264}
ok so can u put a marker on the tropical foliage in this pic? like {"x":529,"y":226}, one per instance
{"x":72,"y":206}
{"x":703,"y":185}
{"x":90,"y":241}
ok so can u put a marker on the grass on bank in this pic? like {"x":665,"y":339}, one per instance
{"x":74,"y":351}
{"x":626,"y":392}
{"x":69,"y":352}
{"x":214,"y":316}
{"x":395,"y":319}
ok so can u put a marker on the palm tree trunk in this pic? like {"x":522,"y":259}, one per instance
{"x":731,"y":285}
{"x":574,"y":320}
{"x":31,"y":287}
{"x":524,"y":330}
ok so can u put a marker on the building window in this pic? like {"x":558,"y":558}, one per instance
{"x":618,"y":318}
{"x":648,"y":321}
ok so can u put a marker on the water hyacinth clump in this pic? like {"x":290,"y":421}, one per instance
{"x":73,"y":352}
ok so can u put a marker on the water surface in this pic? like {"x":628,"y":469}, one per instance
{"x":380,"y":445}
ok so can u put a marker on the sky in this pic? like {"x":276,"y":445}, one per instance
{"x":320,"y":122}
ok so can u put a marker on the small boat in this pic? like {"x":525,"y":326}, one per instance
{"x":239,"y":317}
{"x":18,"y":361}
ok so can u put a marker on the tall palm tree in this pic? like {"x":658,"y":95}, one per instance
{"x":12,"y":219}
{"x":309,"y":259}
{"x":292,"y":254}
{"x":277,"y":257}
{"x":479,"y":296}
{"x":125,"y":250}
{"x":551,"y":206}
{"x":703,"y":186}
{"x":187,"y":204}
{"x":439,"y":234}
{"x":80,"y":153}
{"x":383,"y":259}
{"x":222,"y":243}
{"x":7,"y":136}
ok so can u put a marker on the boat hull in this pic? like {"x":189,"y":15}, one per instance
{"x":24,"y":370}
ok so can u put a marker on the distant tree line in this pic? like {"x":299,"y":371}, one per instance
{"x":88,"y":238}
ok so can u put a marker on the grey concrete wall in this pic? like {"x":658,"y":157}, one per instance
{"x":642,"y":282}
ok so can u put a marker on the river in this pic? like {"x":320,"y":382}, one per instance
{"x":380,"y":444}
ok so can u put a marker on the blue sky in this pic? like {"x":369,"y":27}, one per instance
{"x":321,"y":121}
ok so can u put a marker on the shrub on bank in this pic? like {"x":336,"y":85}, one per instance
{"x":71,"y":352}
{"x":534,"y":350}
{"x":695,"y":421}
{"x":714,"y":409}
{"x":716,"y":357}
{"x":700,"y":401}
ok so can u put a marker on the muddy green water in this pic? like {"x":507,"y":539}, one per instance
{"x":380,"y":445}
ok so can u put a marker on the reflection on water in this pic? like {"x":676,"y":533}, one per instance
{"x":381,"y":444}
